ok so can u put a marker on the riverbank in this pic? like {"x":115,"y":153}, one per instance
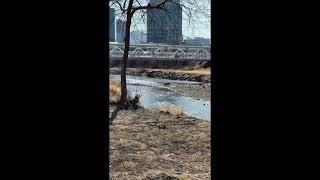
{"x":199,"y":92}
{"x":147,"y":143}
{"x":199,"y":75}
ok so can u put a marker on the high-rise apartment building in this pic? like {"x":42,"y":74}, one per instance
{"x":165,"y":26}
{"x":121,"y":29}
{"x":136,"y":37}
{"x":112,"y":25}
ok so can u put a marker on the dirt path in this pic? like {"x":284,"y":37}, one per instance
{"x":147,"y":143}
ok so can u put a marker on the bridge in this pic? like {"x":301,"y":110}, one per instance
{"x":160,"y":52}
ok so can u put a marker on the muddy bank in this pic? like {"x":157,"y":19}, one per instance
{"x":162,"y":64}
{"x":205,"y":78}
{"x":146,"y":143}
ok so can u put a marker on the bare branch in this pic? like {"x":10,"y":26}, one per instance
{"x":119,"y":4}
{"x":159,"y":6}
{"x":112,"y":3}
{"x":124,"y":4}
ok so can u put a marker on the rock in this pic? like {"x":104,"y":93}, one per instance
{"x":166,"y":84}
{"x":161,"y":176}
{"x":161,"y":126}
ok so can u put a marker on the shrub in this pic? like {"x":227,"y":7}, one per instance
{"x":134,"y":102}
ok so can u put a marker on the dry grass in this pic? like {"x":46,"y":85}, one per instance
{"x":141,"y":70}
{"x":173,"y":110}
{"x":201,"y":71}
{"x":114,"y":91}
{"x":139,"y":148}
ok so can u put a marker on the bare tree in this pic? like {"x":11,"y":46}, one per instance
{"x":192,"y":9}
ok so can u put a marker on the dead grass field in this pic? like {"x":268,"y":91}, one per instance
{"x":140,"y":149}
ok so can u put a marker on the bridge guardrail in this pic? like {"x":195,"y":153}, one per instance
{"x":161,"y":51}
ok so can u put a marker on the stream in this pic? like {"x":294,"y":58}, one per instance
{"x":155,"y":95}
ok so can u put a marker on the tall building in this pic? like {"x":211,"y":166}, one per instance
{"x":111,"y":25}
{"x":136,"y":37}
{"x":144,"y":37}
{"x":165,"y":26}
{"x":121,"y":29}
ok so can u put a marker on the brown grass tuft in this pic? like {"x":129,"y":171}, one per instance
{"x":173,"y":110}
{"x":114,"y":91}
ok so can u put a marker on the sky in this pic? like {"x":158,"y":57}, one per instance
{"x":201,"y":29}
{"x":200,"y":26}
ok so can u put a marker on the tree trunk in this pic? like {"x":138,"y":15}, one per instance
{"x":124,"y":94}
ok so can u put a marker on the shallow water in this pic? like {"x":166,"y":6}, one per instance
{"x":155,"y":95}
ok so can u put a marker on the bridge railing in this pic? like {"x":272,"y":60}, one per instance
{"x":161,"y":51}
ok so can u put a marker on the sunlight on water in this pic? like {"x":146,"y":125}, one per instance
{"x":154,"y":95}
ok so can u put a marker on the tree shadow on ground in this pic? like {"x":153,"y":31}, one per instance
{"x":114,"y":114}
